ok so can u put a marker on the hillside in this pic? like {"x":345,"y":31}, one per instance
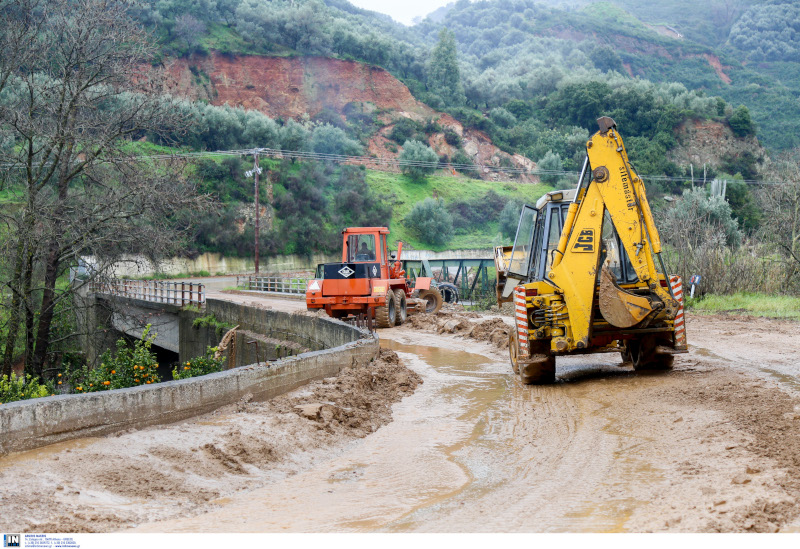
{"x":321,"y":87}
{"x":533,"y":47}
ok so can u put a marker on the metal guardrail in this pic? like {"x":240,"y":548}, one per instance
{"x":274,"y":284}
{"x":157,"y":291}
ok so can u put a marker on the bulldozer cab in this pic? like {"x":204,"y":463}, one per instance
{"x":365,"y":245}
{"x":537,"y":238}
{"x":360,"y":247}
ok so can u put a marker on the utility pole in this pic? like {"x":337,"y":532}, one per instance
{"x":254,"y":172}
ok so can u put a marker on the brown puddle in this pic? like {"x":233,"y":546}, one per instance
{"x":46,"y":452}
{"x":785,"y":379}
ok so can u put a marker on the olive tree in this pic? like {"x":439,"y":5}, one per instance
{"x":430,"y":221}
{"x":417,"y":159}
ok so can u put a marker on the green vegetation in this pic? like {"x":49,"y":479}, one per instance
{"x":128,"y":367}
{"x":211,"y":321}
{"x":25,"y":387}
{"x":421,"y":160}
{"x":430,"y":221}
{"x":768,"y":31}
{"x":444,"y":76}
{"x":756,"y":304}
{"x":170,"y":276}
{"x":454,"y":191}
{"x":199,"y":366}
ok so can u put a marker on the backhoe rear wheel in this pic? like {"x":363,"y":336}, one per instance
{"x":433,"y":300}
{"x":642,"y":354}
{"x":539,"y":369}
{"x":386,"y":316}
{"x":400,"y":304}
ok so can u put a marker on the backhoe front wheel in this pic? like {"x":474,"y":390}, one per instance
{"x":386,"y":316}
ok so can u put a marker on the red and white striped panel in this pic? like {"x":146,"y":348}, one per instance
{"x":521,"y":318}
{"x":680,"y":328}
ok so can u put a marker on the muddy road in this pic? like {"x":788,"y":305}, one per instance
{"x":447,"y":440}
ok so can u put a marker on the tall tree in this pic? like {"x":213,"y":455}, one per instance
{"x":782,"y":201}
{"x":444,"y":76}
{"x":83,"y":90}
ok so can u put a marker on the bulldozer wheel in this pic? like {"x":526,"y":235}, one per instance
{"x":400,"y":305}
{"x":641,"y":353}
{"x":539,"y":370}
{"x":386,"y":316}
{"x":513,"y":350}
{"x":433,"y":300}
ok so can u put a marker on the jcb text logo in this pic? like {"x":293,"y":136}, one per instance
{"x":585,"y":241}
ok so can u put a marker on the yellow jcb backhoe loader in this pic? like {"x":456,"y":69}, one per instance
{"x":585,"y":272}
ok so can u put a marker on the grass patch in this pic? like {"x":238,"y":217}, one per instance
{"x":171,"y":276}
{"x":12,"y":195}
{"x":770,"y":306}
{"x":403,"y":192}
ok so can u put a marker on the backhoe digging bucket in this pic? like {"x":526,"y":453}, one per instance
{"x":620,"y":308}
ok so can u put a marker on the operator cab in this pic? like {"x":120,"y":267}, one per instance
{"x":364,"y":255}
{"x":360,"y":247}
{"x":538,"y":234}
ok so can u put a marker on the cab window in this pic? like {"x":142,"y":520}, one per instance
{"x":521,"y":252}
{"x":361,"y":247}
{"x":615,"y":255}
{"x":554,"y":235}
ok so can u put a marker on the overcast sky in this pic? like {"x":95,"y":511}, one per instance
{"x":402,"y":11}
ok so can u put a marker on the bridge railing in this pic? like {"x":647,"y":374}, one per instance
{"x":274,"y":284}
{"x":157,"y":291}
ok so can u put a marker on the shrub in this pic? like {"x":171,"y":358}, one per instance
{"x":509,"y":219}
{"x":476,"y":212}
{"x":502,"y":117}
{"x":550,"y":162}
{"x":697,"y":218}
{"x":22,"y":388}
{"x":199,"y":366}
{"x":128,"y":367}
{"x":741,"y":123}
{"x":463,"y":162}
{"x":404,"y":129}
{"x":327,"y":139}
{"x":452,"y":138}
{"x":430,"y":222}
{"x":416,"y":152}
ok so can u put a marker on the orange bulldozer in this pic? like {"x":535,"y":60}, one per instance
{"x":369,"y":281}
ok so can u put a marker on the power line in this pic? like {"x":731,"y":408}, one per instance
{"x":381,"y":161}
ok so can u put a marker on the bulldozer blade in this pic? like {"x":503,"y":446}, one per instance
{"x":620,"y":308}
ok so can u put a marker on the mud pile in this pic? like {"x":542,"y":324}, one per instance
{"x":101,"y":485}
{"x":468,"y":324}
{"x":359,"y":400}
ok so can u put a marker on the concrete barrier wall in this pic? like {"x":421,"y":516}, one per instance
{"x":33,"y":423}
